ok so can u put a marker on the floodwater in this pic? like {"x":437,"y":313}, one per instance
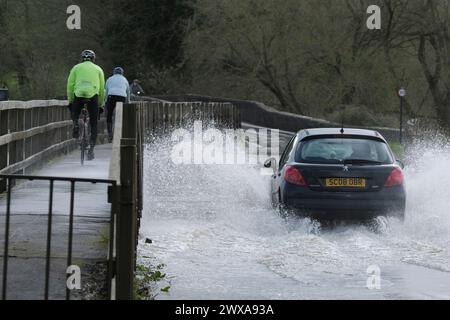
{"x":215,"y":232}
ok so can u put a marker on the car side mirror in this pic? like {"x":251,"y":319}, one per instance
{"x":271,"y":163}
{"x":400,"y":163}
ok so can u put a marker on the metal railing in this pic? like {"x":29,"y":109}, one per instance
{"x":73,"y":181}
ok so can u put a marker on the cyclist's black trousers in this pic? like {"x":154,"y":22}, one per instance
{"x":110,"y":106}
{"x":92,"y":107}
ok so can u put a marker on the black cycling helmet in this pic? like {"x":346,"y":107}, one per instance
{"x":118,"y":70}
{"x":88,"y":55}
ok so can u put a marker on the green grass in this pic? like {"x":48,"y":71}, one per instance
{"x":165,"y":289}
{"x":103,"y":238}
{"x":145,"y":277}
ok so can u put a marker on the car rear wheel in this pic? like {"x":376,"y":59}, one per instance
{"x":282,"y":211}
{"x":378,"y":224}
{"x":279,"y":207}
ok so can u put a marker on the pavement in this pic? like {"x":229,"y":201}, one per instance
{"x":28,"y":230}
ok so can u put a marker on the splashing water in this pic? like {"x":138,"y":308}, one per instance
{"x":215,"y":230}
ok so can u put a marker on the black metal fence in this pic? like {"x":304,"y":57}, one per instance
{"x":10,"y":180}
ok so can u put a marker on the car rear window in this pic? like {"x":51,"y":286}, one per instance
{"x":340,"y":150}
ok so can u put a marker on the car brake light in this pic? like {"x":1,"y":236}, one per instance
{"x":395,"y":178}
{"x":294,"y":176}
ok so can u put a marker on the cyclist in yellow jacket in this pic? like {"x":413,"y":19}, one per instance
{"x":86,"y":85}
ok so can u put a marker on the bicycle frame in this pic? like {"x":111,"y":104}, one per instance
{"x":85,"y":133}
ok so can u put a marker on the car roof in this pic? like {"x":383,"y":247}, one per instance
{"x":307,"y":133}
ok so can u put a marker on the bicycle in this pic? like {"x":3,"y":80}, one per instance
{"x":84,"y":132}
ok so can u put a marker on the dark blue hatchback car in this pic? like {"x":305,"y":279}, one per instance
{"x":338,"y":174}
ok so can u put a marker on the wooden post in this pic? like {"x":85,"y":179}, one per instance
{"x":176,"y":113}
{"x":12,"y":127}
{"x":158,"y":117}
{"x":3,"y":148}
{"x":20,"y":151}
{"x":127,"y":216}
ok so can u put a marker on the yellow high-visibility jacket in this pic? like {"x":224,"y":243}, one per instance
{"x":86,"y":79}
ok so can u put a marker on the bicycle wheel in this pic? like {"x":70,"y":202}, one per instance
{"x":83,"y":143}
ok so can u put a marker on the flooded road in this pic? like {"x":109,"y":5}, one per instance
{"x":213,"y":228}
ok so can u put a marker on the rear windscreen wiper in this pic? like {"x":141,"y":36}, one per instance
{"x":360,"y":161}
